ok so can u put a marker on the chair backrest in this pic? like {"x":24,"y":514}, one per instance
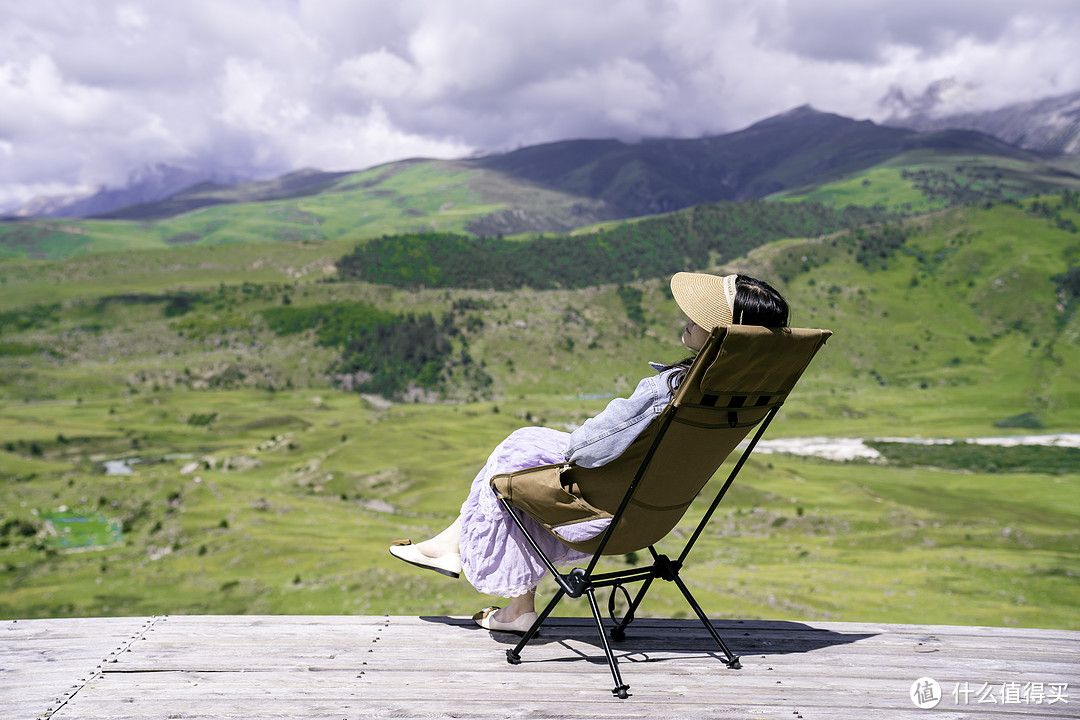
{"x":740,"y":375}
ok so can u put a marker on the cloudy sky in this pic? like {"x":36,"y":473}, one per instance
{"x":92,"y":89}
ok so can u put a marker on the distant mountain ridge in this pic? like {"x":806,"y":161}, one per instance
{"x":571,"y":186}
{"x":800,"y":147}
{"x":797,"y":148}
{"x":1050,"y":125}
{"x":297,"y":184}
{"x":143,"y":185}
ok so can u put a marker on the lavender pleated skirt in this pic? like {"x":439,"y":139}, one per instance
{"x":497,"y":558}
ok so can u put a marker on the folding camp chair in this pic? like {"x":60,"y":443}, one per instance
{"x":739,"y":380}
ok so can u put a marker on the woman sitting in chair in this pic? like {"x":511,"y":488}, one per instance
{"x":485,"y":544}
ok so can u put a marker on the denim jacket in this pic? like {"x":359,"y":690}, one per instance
{"x":604,"y":437}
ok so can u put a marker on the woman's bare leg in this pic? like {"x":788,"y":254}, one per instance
{"x":447,"y":541}
{"x":518,"y":606}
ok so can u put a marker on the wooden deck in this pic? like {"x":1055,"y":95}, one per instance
{"x":445,"y":667}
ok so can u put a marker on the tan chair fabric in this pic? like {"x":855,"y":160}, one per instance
{"x":740,"y":374}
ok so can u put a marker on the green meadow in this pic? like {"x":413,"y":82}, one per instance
{"x":404,"y":197}
{"x":286,"y":505}
{"x":416,"y":197}
{"x":254,"y":483}
{"x":919,"y":181}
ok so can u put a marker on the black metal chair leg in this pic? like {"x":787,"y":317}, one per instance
{"x":732,"y":660}
{"x":620,"y":688}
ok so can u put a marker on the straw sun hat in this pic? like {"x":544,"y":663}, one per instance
{"x":706,"y":299}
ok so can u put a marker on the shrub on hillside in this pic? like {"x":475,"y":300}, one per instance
{"x":876,"y":245}
{"x":335,"y":324}
{"x":631,"y":299}
{"x":31,"y":317}
{"x":1028,"y":420}
{"x":175,"y":303}
{"x":971,"y":457}
{"x":1068,"y":288}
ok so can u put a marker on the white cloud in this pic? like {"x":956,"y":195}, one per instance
{"x":131,"y":19}
{"x":33,"y":94}
{"x":89,"y":91}
{"x":345,"y":142}
{"x":255,"y":99}
{"x":376,"y":75}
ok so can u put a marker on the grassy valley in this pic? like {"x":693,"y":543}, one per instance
{"x":259,"y":484}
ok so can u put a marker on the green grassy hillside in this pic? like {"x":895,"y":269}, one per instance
{"x":966,"y":316}
{"x":567,"y":186}
{"x":257,"y":485}
{"x":409,"y":196}
{"x":922,"y":180}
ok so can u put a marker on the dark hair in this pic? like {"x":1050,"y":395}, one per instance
{"x":756,"y":303}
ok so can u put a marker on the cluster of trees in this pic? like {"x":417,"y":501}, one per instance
{"x":1069,"y":283}
{"x":410,"y":350}
{"x":1053,"y":212}
{"x":335,"y":324}
{"x":967,"y":186}
{"x":631,"y":300}
{"x":391,"y":352}
{"x":31,"y":316}
{"x":875,"y":245}
{"x":1068,"y":287}
{"x":653,"y":247}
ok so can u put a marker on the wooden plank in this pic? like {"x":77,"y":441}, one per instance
{"x":479,"y":696}
{"x":43,"y":663}
{"x":351,"y":667}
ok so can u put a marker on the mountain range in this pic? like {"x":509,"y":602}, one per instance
{"x":147,"y":184}
{"x":1050,"y":125}
{"x":799,"y":147}
{"x":575,"y":186}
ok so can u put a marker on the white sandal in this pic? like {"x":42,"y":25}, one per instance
{"x":486,"y":619}
{"x":448,"y":564}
